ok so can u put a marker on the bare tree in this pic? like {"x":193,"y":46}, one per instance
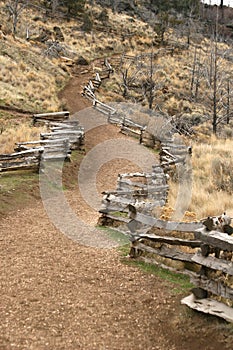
{"x":218,"y":86}
{"x":128,"y":75}
{"x":142,"y":78}
{"x":15,"y":8}
{"x":162,"y":26}
{"x":54,"y":6}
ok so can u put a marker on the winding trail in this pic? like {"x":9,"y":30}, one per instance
{"x":59,"y":295}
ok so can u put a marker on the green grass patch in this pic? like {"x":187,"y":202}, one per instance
{"x":77,"y":156}
{"x":116,"y":236}
{"x":119,"y":214}
{"x":18,"y":189}
{"x":13,"y":180}
{"x":181,"y":283}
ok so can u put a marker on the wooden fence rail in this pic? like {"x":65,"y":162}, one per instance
{"x":215,"y":279}
{"x":23,"y":160}
{"x":102,"y":107}
{"x":64,"y":136}
{"x":93,"y":84}
{"x":145,"y":191}
{"x":73,"y":132}
{"x":187,"y":243}
{"x":205,"y":255}
{"x":53,"y":116}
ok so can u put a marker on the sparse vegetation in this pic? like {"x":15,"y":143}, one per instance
{"x":31,"y":82}
{"x":212,"y":178}
{"x":117,"y":236}
{"x":180,"y":282}
{"x":42,"y":269}
{"x":18,"y":131}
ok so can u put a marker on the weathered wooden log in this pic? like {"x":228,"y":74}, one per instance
{"x":130,"y":123}
{"x":213,"y":263}
{"x":97,"y":77}
{"x":169,"y":225}
{"x":215,"y":239}
{"x":20,"y":166}
{"x":91,"y":86}
{"x":121,"y":219}
{"x":165,"y":153}
{"x":42,"y":142}
{"x":108,"y":65}
{"x":137,"y":174}
{"x":170,"y":240}
{"x":96,"y":84}
{"x":102,"y":107}
{"x":166,"y":252}
{"x":216,"y":287}
{"x":66,"y":128}
{"x":51,"y":116}
{"x":23,"y":154}
{"x":157,"y":190}
{"x":166,"y":161}
{"x":209,"y":306}
{"x":51,"y":150}
{"x":28,"y":162}
{"x":115,"y":206}
{"x":177,"y":151}
{"x":55,"y":157}
{"x":157,"y":184}
{"x":67,"y":122}
{"x":128,"y":131}
{"x":69,"y":134}
{"x":172,"y":145}
{"x":115,"y":119}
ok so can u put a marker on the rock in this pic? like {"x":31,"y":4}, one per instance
{"x":58,"y":34}
{"x":45,"y":35}
{"x":103,"y":16}
{"x":82,"y":61}
{"x":199,"y":293}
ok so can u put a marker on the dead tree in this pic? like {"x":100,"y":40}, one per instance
{"x":218,"y":84}
{"x":128,"y":73}
{"x":194,"y":77}
{"x":153,"y":79}
{"x":15,"y":8}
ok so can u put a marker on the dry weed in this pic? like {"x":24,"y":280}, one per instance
{"x":212,"y":183}
{"x":20,"y":132}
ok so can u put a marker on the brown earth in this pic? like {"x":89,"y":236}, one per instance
{"x":59,"y":294}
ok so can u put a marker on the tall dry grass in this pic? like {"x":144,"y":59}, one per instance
{"x":212,"y":179}
{"x":18,"y":133}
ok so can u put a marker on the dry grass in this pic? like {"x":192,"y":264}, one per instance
{"x":212,"y":183}
{"x":31,"y":81}
{"x":26,"y":83}
{"x":21,"y":131}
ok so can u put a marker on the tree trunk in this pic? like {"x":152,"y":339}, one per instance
{"x":215,"y":117}
{"x":228,"y":101}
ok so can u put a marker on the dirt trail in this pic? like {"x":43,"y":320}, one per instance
{"x":57,"y":294}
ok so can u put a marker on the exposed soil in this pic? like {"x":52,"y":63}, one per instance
{"x":58,"y":294}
